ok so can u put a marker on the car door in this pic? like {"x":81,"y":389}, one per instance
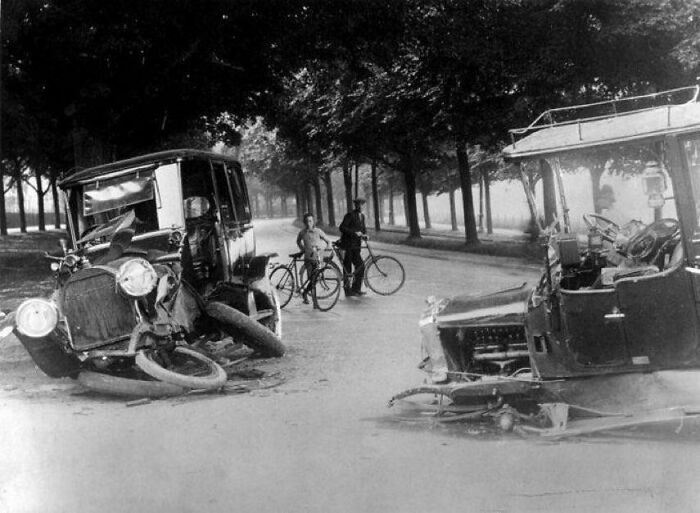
{"x":241,"y":205}
{"x":230,"y":235}
{"x":684,"y":158}
{"x":592,"y":328}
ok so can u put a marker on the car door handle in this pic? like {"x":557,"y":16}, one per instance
{"x":615,"y":315}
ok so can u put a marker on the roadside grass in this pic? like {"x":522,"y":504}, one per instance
{"x":503,"y":247}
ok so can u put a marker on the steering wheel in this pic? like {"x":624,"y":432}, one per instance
{"x":110,"y":227}
{"x":650,"y":238}
{"x":607,"y":228}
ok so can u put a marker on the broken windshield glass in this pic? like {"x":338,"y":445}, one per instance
{"x":117,"y":193}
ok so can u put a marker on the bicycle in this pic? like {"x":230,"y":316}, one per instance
{"x":325,"y":281}
{"x":383,"y":274}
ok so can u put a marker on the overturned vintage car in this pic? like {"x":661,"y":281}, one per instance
{"x":612,"y":328}
{"x":160,"y":261}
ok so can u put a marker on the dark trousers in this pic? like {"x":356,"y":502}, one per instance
{"x":354,"y":259}
{"x":311,"y":267}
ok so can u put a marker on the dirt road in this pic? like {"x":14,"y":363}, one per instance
{"x":323,"y":441}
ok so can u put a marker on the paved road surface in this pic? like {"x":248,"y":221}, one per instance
{"x":322,"y":441}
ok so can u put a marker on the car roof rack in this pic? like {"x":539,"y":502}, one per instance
{"x":607,"y":122}
{"x":615,"y":107}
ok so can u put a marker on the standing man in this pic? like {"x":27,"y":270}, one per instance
{"x":309,"y":241}
{"x":352,"y":231}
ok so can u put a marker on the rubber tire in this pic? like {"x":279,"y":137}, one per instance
{"x":281,"y":274}
{"x":239,"y":325}
{"x":331,"y":299}
{"x":215,"y":379}
{"x":114,"y":385}
{"x":374,"y":263}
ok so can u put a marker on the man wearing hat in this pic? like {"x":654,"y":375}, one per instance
{"x":353,"y":230}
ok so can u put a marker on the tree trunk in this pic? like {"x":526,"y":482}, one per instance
{"x":481,"y":204}
{"x":268,"y":205}
{"x":465,"y":182}
{"x":549,"y":194}
{"x":392,"y":218}
{"x":375,"y":196}
{"x":453,"y":211}
{"x":347,"y":181}
{"x":487,"y":201}
{"x":528,"y":180}
{"x":40,"y":201}
{"x":309,"y":198}
{"x":357,"y":179}
{"x":283,"y":204}
{"x":3,"y":209}
{"x":20,"y":203}
{"x":330,"y":202}
{"x":298,"y":201}
{"x":256,"y":204}
{"x":56,"y":204}
{"x":319,"y":199}
{"x":404,"y":199}
{"x":596,"y":174}
{"x":411,"y":207}
{"x":426,"y":212}
{"x":381,"y":209}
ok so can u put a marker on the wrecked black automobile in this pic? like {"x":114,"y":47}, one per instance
{"x":160,"y":261}
{"x":613,"y":325}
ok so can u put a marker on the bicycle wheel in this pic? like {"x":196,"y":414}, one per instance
{"x":384,"y":275}
{"x":282,"y":280}
{"x":327,"y":282}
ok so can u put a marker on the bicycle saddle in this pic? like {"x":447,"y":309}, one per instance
{"x":296,"y":255}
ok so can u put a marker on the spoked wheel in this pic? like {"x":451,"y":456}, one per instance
{"x":182,"y":366}
{"x":326,"y":287}
{"x":384,"y":275}
{"x":282,"y":281}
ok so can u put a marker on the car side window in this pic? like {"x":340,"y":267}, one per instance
{"x":240,"y":196}
{"x":196,"y":180}
{"x":224,"y":193}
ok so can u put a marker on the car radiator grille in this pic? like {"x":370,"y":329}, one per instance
{"x":97,"y":313}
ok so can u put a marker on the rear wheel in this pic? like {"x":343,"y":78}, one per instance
{"x":183,"y":367}
{"x":282,"y":281}
{"x":325,"y":288}
{"x":384,"y":275}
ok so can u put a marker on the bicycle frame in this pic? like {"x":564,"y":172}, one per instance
{"x":293,"y":267}
{"x":351,"y":274}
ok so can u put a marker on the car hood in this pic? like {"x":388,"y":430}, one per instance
{"x":503,"y":308}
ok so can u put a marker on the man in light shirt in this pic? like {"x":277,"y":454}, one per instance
{"x":309,"y":241}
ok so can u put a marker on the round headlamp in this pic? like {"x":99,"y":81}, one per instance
{"x":36,"y":317}
{"x":136,"y":277}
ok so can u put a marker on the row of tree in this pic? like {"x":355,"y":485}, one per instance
{"x":421,"y":91}
{"x":431,"y":98}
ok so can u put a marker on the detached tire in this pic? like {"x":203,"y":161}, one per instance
{"x":250,"y":332}
{"x":115,"y":385}
{"x":206,"y":374}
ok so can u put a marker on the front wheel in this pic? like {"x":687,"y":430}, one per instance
{"x":282,"y":280}
{"x":183,"y":367}
{"x":384,"y":275}
{"x":127,"y":386}
{"x":325,"y":288}
{"x":244,"y":329}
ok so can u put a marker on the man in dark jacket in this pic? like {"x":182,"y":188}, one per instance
{"x":352,"y":231}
